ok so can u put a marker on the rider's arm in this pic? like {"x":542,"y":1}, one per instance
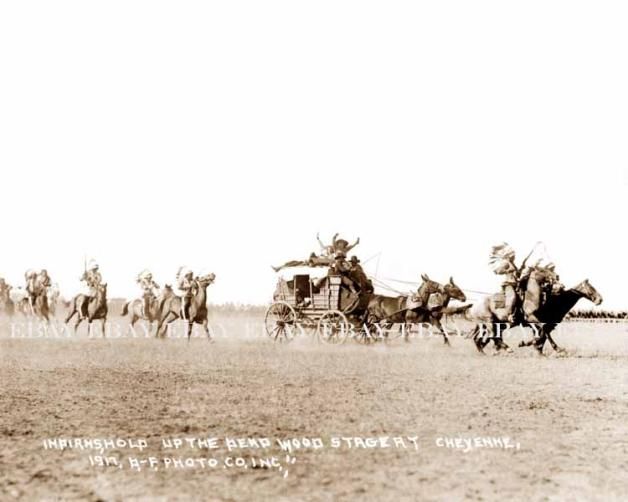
{"x":320,"y":242}
{"x":353,"y":245}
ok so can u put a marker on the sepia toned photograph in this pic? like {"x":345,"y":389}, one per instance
{"x":313,"y":251}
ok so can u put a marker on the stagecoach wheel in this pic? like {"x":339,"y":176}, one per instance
{"x":333,"y":327}
{"x":281,"y":322}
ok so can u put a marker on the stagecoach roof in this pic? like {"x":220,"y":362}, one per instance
{"x":315,"y":272}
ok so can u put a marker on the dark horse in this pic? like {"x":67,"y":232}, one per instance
{"x":170,"y":307}
{"x":394,"y":310}
{"x":90,"y":308}
{"x":556,"y":309}
{"x":549,"y":315}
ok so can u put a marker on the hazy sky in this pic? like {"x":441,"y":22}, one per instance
{"x":224,"y":135}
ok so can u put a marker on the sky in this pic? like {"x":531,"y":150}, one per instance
{"x":224,"y":135}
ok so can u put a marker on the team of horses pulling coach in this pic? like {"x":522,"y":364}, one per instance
{"x":344,"y":301}
{"x":340,"y":303}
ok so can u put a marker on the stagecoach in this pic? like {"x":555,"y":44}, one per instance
{"x":324,"y":305}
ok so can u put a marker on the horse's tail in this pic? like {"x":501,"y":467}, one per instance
{"x":125,"y":309}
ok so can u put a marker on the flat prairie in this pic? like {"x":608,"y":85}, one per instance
{"x":567,"y":416}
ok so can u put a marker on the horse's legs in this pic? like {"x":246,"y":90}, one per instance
{"x":407,"y":331}
{"x":485,"y":335}
{"x":498,"y":340}
{"x":189,"y":333}
{"x":536,"y":341}
{"x":539,"y":343}
{"x":72,"y":312}
{"x":206,"y":328}
{"x":554,"y":345}
{"x":159,"y":324}
{"x":475,"y":336}
{"x":436,"y":322}
{"x":163,"y":323}
{"x":547,"y":329}
{"x":78,"y":321}
{"x":104,"y":331}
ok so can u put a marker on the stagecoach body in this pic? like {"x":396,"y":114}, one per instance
{"x":305,"y":303}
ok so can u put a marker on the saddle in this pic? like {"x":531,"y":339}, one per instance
{"x":435,"y":301}
{"x":499,"y":300}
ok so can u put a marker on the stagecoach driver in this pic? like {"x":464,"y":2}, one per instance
{"x":185,"y":284}
{"x":149,"y":286}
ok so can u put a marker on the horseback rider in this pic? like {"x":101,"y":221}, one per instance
{"x":32,"y":286}
{"x":539,"y":281}
{"x":502,"y":262}
{"x":93,"y":280}
{"x":186,"y":285}
{"x":148,"y":285}
{"x":43,"y":280}
{"x":526,"y":286}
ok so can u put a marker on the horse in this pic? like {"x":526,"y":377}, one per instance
{"x":397,"y":310}
{"x":170,"y":307}
{"x":434,"y":314}
{"x":490,"y":310}
{"x":547,"y":316}
{"x":90,"y":308}
{"x":40,"y":306}
{"x":138,"y":311}
{"x":556,"y":308}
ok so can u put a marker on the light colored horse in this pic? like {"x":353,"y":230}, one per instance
{"x":136,"y":308}
{"x":19,"y":297}
{"x":490,"y":311}
{"x":170,"y":307}
{"x":23,"y":305}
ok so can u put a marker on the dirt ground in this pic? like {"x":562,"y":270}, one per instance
{"x":568,"y":415}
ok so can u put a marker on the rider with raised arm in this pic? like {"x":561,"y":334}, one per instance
{"x":92,"y":279}
{"x":342,"y":247}
{"x":149,"y":286}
